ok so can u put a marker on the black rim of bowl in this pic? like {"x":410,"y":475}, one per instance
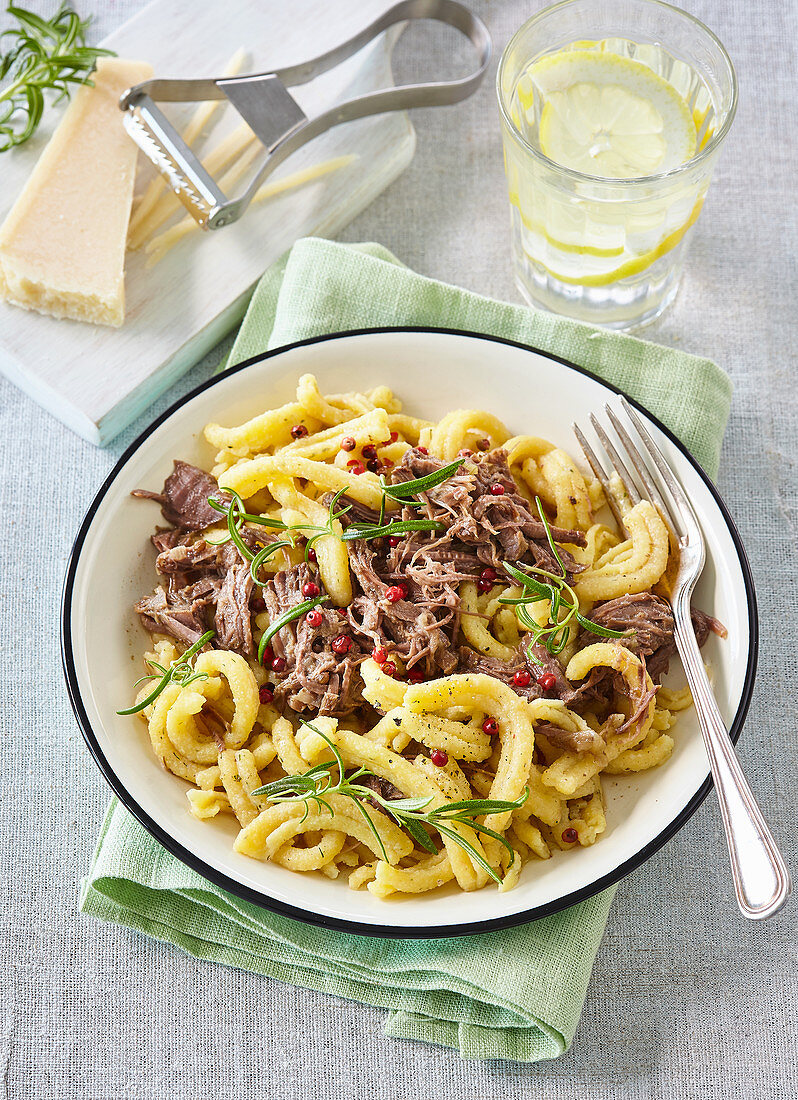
{"x":258,"y":898}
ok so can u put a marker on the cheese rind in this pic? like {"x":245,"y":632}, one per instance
{"x":62,"y":246}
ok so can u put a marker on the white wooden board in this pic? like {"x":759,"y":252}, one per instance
{"x":98,"y":379}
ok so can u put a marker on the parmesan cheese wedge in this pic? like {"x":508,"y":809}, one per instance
{"x":62,"y":246}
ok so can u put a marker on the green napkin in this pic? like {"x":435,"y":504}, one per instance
{"x":516,"y":994}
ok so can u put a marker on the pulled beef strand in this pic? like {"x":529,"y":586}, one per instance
{"x":570,"y":741}
{"x":704,"y":625}
{"x":649,"y":620}
{"x":471,"y":661}
{"x":199,"y":575}
{"x":184,"y":497}
{"x":189,"y":555}
{"x":383,"y":787}
{"x":233,"y":622}
{"x":500,"y":527}
{"x":315,"y":677}
{"x":420,"y":629}
{"x":535,"y":659}
{"x":360,"y":513}
{"x":182,"y":620}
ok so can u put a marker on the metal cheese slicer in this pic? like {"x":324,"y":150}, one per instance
{"x":277,"y":120}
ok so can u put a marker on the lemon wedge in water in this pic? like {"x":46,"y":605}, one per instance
{"x":607,"y":115}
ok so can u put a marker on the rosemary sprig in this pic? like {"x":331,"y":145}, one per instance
{"x":418,"y":485}
{"x":37,"y":56}
{"x":237,"y":515}
{"x":264,"y":555}
{"x":179,"y":672}
{"x":555,"y":633}
{"x":287,"y":617}
{"x":316,"y":785}
{"x":398,"y":527}
{"x":242,"y":516}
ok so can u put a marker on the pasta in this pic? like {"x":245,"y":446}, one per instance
{"x":400,"y":651}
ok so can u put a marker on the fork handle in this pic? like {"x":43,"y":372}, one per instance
{"x":761,"y":879}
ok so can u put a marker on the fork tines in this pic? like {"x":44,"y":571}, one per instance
{"x":653,"y":480}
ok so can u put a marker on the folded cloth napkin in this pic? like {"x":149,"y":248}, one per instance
{"x":514,"y":994}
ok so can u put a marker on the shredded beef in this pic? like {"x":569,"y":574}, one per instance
{"x":535,"y":659}
{"x":361,"y":562}
{"x":166,"y":537}
{"x":357,"y":511}
{"x":480,"y":529}
{"x":233,"y":623}
{"x":499,"y":527}
{"x":461,"y":561}
{"x":184,"y":497}
{"x":704,"y":625}
{"x":181,"y":618}
{"x":597,"y":689}
{"x":471,"y":661}
{"x":420,"y":629}
{"x":380,"y":786}
{"x":578,"y":741}
{"x":206,"y":584}
{"x":649,"y":618}
{"x":197,"y":575}
{"x":431,"y":562}
{"x":316,"y":678}
{"x":541,"y":663}
{"x":192,"y":555}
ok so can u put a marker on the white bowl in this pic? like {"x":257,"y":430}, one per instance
{"x":432,"y":371}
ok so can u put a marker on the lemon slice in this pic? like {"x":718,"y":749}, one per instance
{"x":607,"y":115}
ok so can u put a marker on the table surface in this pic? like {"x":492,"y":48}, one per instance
{"x":687,"y":999}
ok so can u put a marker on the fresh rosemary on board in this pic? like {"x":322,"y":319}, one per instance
{"x":40,"y":55}
{"x":318,"y":783}
{"x":179,"y":672}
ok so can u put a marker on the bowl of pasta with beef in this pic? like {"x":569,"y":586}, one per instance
{"x":353,"y":633}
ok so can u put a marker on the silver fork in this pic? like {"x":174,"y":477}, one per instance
{"x":761,"y":879}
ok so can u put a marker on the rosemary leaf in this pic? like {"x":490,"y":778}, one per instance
{"x":178,"y":672}
{"x":446,"y":830}
{"x":247,"y":517}
{"x":474,"y":806}
{"x":550,"y":537}
{"x":264,"y":555}
{"x":399,"y":527}
{"x":421,"y":484}
{"x":420,"y":835}
{"x":40,"y":55}
{"x":287,"y":617}
{"x":601,"y":631}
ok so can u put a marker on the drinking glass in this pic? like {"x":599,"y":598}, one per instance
{"x":606,"y":250}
